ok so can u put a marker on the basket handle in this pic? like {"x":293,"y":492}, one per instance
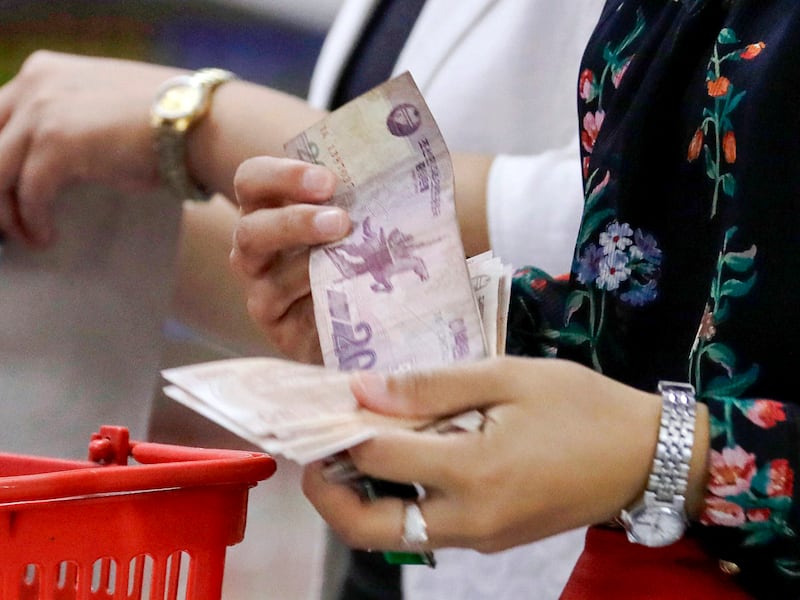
{"x":112,"y":445}
{"x":161,"y":466}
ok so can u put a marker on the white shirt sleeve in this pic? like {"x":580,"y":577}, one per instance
{"x":534,"y":205}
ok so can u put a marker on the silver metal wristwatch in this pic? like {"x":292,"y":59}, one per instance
{"x":659,"y":517}
{"x":179,"y":104}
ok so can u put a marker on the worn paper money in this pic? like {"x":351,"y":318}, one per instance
{"x":395,"y":294}
{"x":303,"y":412}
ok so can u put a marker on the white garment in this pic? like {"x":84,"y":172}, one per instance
{"x":500,"y":77}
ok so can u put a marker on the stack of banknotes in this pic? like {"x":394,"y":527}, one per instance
{"x":396,"y":294}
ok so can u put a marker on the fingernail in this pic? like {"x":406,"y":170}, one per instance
{"x":331,"y":222}
{"x":371,"y":386}
{"x":318,"y":180}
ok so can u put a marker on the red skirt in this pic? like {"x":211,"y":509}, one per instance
{"x":612,"y":567}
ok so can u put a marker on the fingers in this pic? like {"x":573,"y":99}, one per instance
{"x":405,"y":456}
{"x":7,"y":99}
{"x":268,"y":182}
{"x":289,"y":326}
{"x":434,"y":393}
{"x":379,"y":524}
{"x":376,"y":524}
{"x":39,"y":183}
{"x":32,"y":160}
{"x":271,"y":292}
{"x":279,"y":200}
{"x":261,"y":235}
{"x":361,"y":525}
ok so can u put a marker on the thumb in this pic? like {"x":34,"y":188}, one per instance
{"x":431,"y":392}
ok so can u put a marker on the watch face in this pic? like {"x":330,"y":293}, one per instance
{"x":657,"y":526}
{"x":179,"y":101}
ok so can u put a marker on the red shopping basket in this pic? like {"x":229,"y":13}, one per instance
{"x":156,"y":529}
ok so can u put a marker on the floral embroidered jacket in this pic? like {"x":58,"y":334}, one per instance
{"x":685,"y":266}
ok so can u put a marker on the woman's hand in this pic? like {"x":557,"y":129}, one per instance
{"x":562,"y":447}
{"x":281,"y":219}
{"x":68,"y":119}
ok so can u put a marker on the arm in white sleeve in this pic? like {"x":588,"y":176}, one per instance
{"x":534,"y":205}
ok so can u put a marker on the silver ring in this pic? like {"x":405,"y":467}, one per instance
{"x":415,"y":529}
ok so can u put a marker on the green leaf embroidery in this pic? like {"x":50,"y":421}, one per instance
{"x":574,"y":334}
{"x":728,"y":184}
{"x":728,"y":388}
{"x":727,"y":36}
{"x":722,"y":355}
{"x":740,"y":261}
{"x":737,"y":288}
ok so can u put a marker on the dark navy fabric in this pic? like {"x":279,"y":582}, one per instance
{"x":374,"y":56}
{"x":686,"y":264}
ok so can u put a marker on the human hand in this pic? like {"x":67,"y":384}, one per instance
{"x":281,"y":219}
{"x":562,"y":447}
{"x":68,"y":119}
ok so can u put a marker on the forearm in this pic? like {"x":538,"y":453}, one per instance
{"x":207,"y":295}
{"x":471,"y":175}
{"x":249,"y":120}
{"x":245,"y":120}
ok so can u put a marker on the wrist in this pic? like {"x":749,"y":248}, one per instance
{"x":660,"y":516}
{"x":180,"y":105}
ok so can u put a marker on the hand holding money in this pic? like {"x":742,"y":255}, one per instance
{"x":302,"y":412}
{"x":282,"y":214}
{"x":395,"y":294}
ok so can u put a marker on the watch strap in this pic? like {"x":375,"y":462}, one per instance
{"x":669,"y":475}
{"x":171,"y":148}
{"x":170,"y":138}
{"x":665,"y":494}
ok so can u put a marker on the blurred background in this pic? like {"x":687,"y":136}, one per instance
{"x":267,"y":41}
{"x":273,"y":42}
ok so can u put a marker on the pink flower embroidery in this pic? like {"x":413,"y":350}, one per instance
{"x":766,"y":413}
{"x":618,"y":74}
{"x":732,"y":470}
{"x":586,"y":86}
{"x":781,"y":478}
{"x":721,"y":512}
{"x":592,"y":122}
{"x":758,"y":515}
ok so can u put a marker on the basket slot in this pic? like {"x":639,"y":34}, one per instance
{"x":30,"y":582}
{"x":104,"y":578}
{"x":179,"y":565}
{"x":140,"y":576}
{"x":66,"y":580}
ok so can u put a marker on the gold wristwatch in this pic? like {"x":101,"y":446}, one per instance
{"x":179,"y":104}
